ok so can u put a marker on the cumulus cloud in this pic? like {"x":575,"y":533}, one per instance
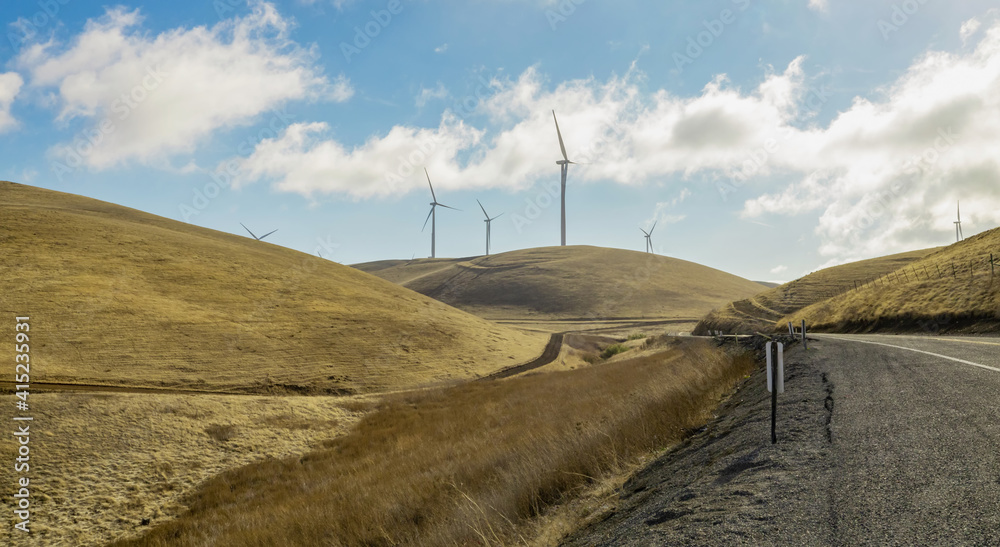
{"x":10,"y":86}
{"x":620,"y":134}
{"x":150,"y":96}
{"x":882,"y":176}
{"x":779,"y":269}
{"x":888,"y":172}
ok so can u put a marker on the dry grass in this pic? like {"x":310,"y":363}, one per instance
{"x":928,"y":296}
{"x":466,"y":465}
{"x":101,"y":463}
{"x":574,"y":282}
{"x":118,"y":296}
{"x":760,"y":312}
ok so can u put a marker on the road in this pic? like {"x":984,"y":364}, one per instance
{"x":883,"y":440}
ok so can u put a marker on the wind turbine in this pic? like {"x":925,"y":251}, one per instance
{"x":487,"y":221}
{"x":432,"y":216}
{"x":649,"y":242}
{"x":564,"y":167}
{"x":254,"y":236}
{"x":958,"y":224}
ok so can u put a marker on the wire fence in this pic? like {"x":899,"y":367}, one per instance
{"x":984,"y":268}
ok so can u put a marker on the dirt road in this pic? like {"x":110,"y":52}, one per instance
{"x":882,"y":440}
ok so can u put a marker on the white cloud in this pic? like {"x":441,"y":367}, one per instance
{"x":881,"y":177}
{"x":662,"y":212}
{"x":884,"y":176}
{"x":342,"y":90}
{"x":441,"y":49}
{"x":969,"y":28}
{"x":426,"y":95}
{"x":10,"y":86}
{"x":819,"y":5}
{"x":623,"y":136}
{"x":779,"y":269}
{"x":163,"y":94}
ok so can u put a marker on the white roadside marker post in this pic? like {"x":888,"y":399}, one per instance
{"x":775,"y":381}
{"x":805,"y":345}
{"x":791,"y":329}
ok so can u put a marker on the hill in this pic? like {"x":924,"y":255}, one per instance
{"x":761,"y":312}
{"x":569,"y":283}
{"x":952,"y":289}
{"x":118,"y":296}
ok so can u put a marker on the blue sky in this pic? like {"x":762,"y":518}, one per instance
{"x":765,"y":138}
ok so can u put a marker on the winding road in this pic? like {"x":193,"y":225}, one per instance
{"x":882,"y":440}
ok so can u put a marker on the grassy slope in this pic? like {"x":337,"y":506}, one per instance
{"x":569,"y":282}
{"x":466,"y":465}
{"x":930,"y":296}
{"x":118,"y":296}
{"x":762,"y":311}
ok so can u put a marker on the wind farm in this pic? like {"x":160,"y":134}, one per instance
{"x":804,"y":355}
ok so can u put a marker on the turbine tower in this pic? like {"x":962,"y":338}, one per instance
{"x":487,"y":221}
{"x":432,"y":216}
{"x":254,"y":236}
{"x":649,"y":242}
{"x":564,"y":167}
{"x":958,"y":223}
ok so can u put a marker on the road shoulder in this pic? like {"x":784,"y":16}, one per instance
{"x":727,"y":484}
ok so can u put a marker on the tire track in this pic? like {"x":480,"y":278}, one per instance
{"x":551,"y":352}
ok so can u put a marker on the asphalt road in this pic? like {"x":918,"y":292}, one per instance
{"x":883,"y":440}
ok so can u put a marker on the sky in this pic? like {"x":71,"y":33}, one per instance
{"x":767,"y":139}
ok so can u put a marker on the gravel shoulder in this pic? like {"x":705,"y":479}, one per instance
{"x":728,"y":485}
{"x":877,"y":445}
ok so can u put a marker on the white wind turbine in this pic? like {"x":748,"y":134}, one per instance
{"x":432,"y":216}
{"x":254,"y":236}
{"x":487,"y":221}
{"x":649,"y":234}
{"x":958,"y":224}
{"x":564,"y":166}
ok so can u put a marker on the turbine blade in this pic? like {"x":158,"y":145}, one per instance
{"x":653,"y":228}
{"x":267,"y":234}
{"x":446,"y":207}
{"x":251,"y":233}
{"x":559,"y":134}
{"x":496,"y":217}
{"x":427,"y":219}
{"x":644,"y":231}
{"x":431,"y":185}
{"x":483,"y":208}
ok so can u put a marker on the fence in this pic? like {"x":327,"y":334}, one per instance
{"x":985,"y":267}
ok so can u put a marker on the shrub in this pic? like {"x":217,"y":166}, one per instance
{"x":613,"y":350}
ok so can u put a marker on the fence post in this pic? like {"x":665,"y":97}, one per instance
{"x":805,"y":345}
{"x":775,"y":381}
{"x":791,"y":330}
